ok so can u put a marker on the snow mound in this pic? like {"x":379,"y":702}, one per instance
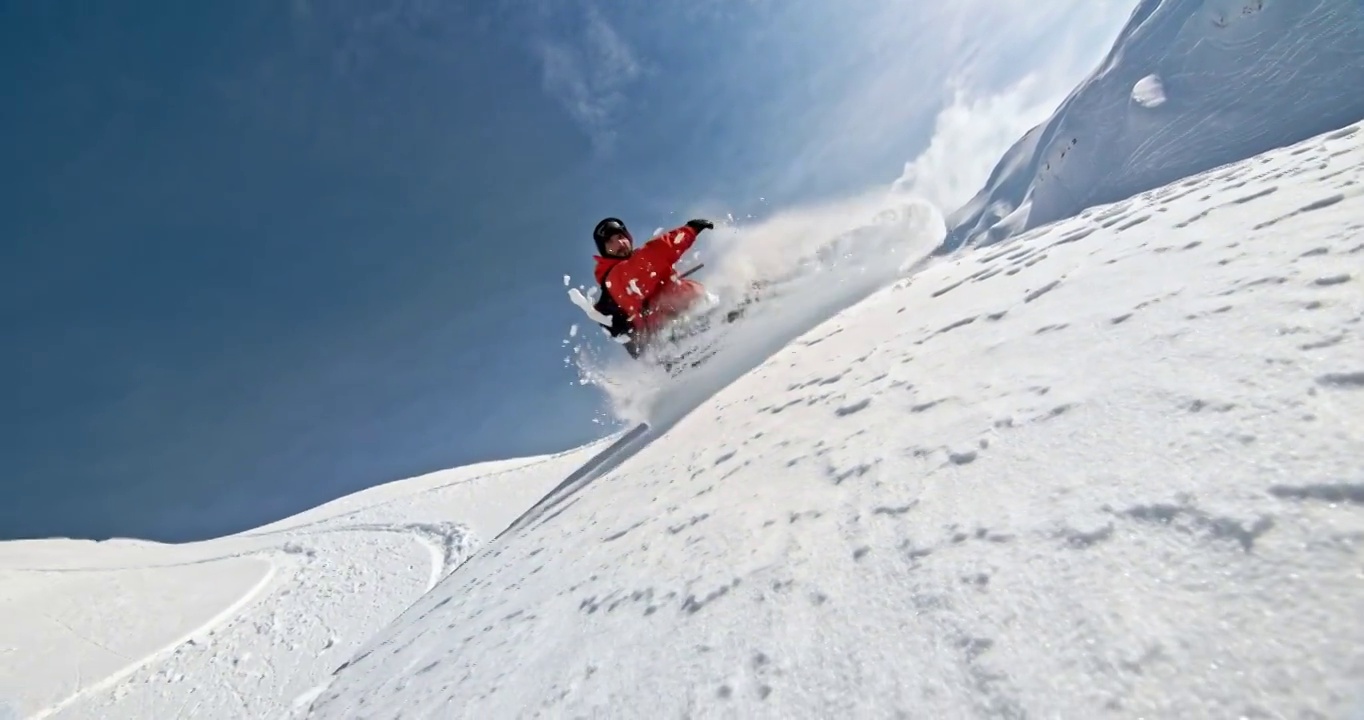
{"x":1107,"y":469}
{"x":1189,"y":85}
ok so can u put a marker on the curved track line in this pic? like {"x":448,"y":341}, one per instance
{"x":112,"y":679}
{"x":437,"y":561}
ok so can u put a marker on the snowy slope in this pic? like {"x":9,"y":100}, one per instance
{"x":1188,"y":85}
{"x":809,"y":262}
{"x":240,"y":626}
{"x":1110,"y":468}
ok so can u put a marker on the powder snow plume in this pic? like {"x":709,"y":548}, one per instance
{"x":815,"y":261}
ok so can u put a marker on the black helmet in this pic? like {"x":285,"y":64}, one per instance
{"x":605,"y":229}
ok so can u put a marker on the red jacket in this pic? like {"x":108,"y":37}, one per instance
{"x":646,"y":285}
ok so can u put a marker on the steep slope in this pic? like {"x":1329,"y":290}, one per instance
{"x":1109,"y":469}
{"x":1189,"y":85}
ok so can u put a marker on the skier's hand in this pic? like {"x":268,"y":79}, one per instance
{"x":698,"y":225}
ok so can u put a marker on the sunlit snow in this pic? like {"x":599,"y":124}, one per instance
{"x":1108,"y":468}
{"x":1236,"y":78}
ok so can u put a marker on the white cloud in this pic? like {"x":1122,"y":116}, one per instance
{"x":590,"y":78}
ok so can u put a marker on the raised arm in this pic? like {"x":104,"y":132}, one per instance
{"x":639,"y":277}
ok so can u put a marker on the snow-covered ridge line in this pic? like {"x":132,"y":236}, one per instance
{"x":1188,"y":86}
{"x":1106,"y":469}
{"x":1125,"y":438}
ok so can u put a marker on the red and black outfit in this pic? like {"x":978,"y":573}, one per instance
{"x":642,"y":292}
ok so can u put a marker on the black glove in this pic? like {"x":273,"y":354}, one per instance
{"x":699,"y":225}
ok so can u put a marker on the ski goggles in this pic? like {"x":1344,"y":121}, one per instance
{"x":607,"y":228}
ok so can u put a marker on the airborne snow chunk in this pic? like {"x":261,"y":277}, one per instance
{"x":1149,"y":92}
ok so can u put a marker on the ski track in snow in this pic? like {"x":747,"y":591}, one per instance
{"x":1108,"y":468}
{"x":243,"y":625}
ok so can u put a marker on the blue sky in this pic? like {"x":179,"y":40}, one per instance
{"x":260,"y":254}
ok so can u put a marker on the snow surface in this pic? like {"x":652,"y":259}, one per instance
{"x":1188,"y":85}
{"x":240,"y":626}
{"x":1110,"y":468}
{"x":1113,"y":467}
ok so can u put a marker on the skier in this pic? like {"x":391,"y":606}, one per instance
{"x":641,"y":290}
